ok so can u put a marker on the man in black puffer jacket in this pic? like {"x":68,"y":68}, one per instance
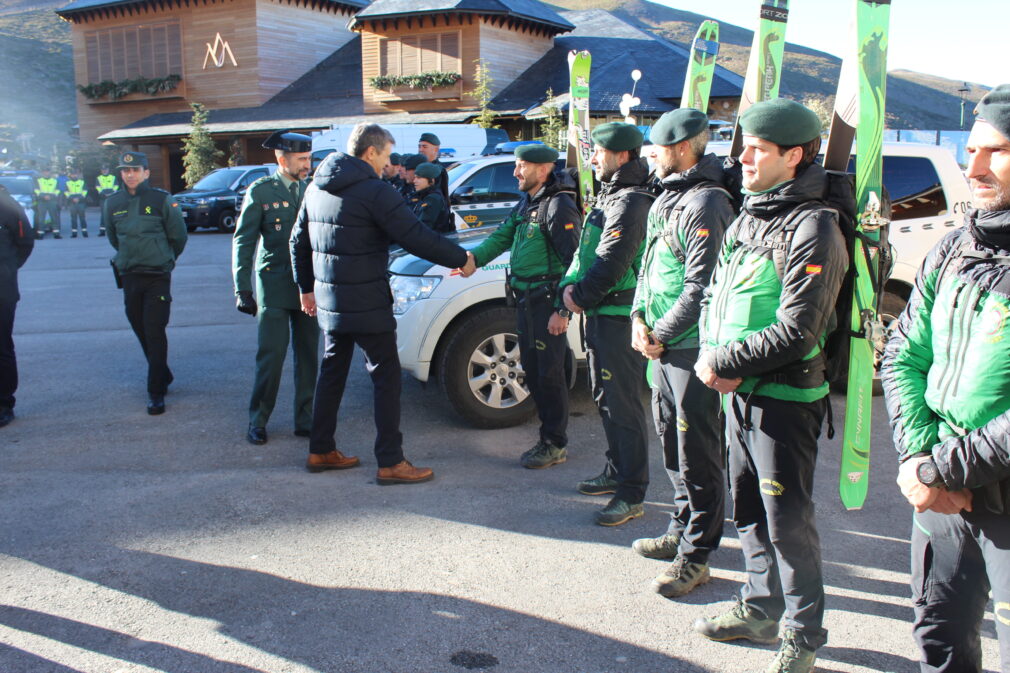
{"x":340,"y":251}
{"x":16,"y":242}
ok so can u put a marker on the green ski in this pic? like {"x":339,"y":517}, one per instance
{"x":859,"y":110}
{"x":701,"y":68}
{"x":580,"y":148}
{"x":764,"y":68}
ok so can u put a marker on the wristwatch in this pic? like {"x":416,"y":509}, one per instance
{"x":928,"y":474}
{"x":564,"y":313}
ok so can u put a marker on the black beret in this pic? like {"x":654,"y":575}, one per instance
{"x":617,"y":136}
{"x":781,"y":121}
{"x":427,"y":170}
{"x":430,"y":138}
{"x":994,"y":108}
{"x":412,"y":161}
{"x":286,"y":141}
{"x":394,"y":159}
{"x":537,"y":153}
{"x":677,"y":126}
{"x":131,"y":159}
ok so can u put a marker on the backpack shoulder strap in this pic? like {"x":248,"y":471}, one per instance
{"x":671,"y":234}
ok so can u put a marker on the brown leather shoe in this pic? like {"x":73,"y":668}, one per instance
{"x":403,"y":473}
{"x":334,"y":460}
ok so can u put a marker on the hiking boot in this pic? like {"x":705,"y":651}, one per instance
{"x":618,"y":511}
{"x":403,"y":473}
{"x":544,"y":454}
{"x":741,"y":622}
{"x":600,"y":485}
{"x":680,"y":578}
{"x":792,"y":657}
{"x":662,"y":547}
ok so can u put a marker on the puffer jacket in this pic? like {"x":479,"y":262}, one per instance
{"x":340,"y":245}
{"x":604,"y":271}
{"x":685,"y":230}
{"x":765,"y":323}
{"x":16,"y":242}
{"x":946,"y":368}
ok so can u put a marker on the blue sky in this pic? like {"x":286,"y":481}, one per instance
{"x":964,"y":40}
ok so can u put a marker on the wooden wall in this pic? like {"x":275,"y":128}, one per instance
{"x":509,"y":53}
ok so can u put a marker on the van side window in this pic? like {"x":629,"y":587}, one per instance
{"x":914,"y":187}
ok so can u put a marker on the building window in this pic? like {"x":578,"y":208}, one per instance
{"x":414,"y":54}
{"x":117,"y":54}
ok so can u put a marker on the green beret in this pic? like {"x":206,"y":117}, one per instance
{"x":535,"y":153}
{"x":430,"y":138}
{"x":994,"y":108}
{"x":781,"y":121}
{"x":618,"y":136}
{"x":394,"y":159}
{"x":412,"y":161}
{"x":678,"y":125}
{"x":427,"y":170}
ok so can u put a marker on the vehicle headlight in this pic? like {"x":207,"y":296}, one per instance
{"x":202,"y":202}
{"x":407,"y":290}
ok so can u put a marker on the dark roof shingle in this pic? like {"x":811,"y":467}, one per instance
{"x":528,"y":10}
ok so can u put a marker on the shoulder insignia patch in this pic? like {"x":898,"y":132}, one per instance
{"x":569,"y":226}
{"x":703,"y":233}
{"x":615,"y":234}
{"x":813,"y":269}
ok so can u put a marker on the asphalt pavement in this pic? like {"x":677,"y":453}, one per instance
{"x":135,"y":543}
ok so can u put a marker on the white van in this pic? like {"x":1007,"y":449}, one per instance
{"x":459,"y":141}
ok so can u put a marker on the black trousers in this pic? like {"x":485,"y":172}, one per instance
{"x":616,"y":373}
{"x":686,"y":412}
{"x":543,"y":357}
{"x":8,"y":361}
{"x":383,"y":365}
{"x":148,"y":300}
{"x":771,"y":472}
{"x":956,"y":561}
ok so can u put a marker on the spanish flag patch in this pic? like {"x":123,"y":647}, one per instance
{"x":813,"y":269}
{"x":703,"y":233}
{"x":569,"y":226}
{"x":615,"y":234}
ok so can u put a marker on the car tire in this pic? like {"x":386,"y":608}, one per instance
{"x":226,"y":222}
{"x":473,"y":385}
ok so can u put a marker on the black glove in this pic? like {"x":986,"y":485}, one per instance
{"x":245,"y":303}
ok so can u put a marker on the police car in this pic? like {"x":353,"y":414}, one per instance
{"x":459,"y":331}
{"x":21,"y":186}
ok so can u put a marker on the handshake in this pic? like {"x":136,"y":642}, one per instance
{"x":470,"y":267}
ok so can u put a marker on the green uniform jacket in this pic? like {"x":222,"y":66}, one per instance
{"x":535,"y":260}
{"x":605,"y":269}
{"x":146,"y":229}
{"x":946,"y":368}
{"x":763,"y":327}
{"x":268,"y":214}
{"x":686,"y":225}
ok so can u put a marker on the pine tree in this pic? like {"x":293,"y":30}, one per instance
{"x":553,"y":126}
{"x":200,"y":154}
{"x":482,"y":92}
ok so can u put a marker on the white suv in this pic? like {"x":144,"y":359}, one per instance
{"x":460,"y":331}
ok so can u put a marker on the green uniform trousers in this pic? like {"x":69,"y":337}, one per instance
{"x":274,"y":324}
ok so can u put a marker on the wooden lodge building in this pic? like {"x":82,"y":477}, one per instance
{"x":262,"y":65}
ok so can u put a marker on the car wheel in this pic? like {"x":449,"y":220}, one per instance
{"x":226,"y":222}
{"x":480,"y":372}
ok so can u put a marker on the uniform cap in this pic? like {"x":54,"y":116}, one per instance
{"x":617,"y":136}
{"x":430,"y":138}
{"x":677,"y":126}
{"x":428,"y":170}
{"x":394,"y":159}
{"x":994,"y":108}
{"x":133,"y":159}
{"x":412,"y":161}
{"x":536,"y":153}
{"x":286,"y":141}
{"x":781,"y":121}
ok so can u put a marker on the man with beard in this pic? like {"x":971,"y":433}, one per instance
{"x":601,"y":282}
{"x":542,"y":232}
{"x":763,"y":323}
{"x":685,"y":229}
{"x":947,"y":383}
{"x":268,"y":214}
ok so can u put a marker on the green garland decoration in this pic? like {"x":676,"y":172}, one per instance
{"x":117,"y":90}
{"x":425,"y":80}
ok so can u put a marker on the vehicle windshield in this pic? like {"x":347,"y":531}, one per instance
{"x":17,"y":185}
{"x":222,"y":178}
{"x":457,"y":171}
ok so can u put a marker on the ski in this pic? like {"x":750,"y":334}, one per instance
{"x":764,"y":68}
{"x":580,"y":148}
{"x":701,"y":67}
{"x":859,"y":112}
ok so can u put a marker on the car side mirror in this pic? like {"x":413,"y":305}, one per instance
{"x":461,"y":195}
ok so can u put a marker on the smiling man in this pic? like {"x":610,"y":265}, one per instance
{"x":946,"y":376}
{"x":146,"y":228}
{"x":763,"y":321}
